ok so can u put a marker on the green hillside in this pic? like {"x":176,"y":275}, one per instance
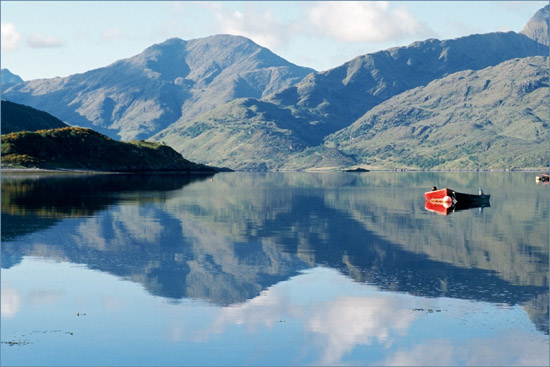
{"x":80,"y":148}
{"x":17,"y":117}
{"x":494,"y":118}
{"x":246,"y":134}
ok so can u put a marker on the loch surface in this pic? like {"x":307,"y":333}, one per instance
{"x":273,"y":269}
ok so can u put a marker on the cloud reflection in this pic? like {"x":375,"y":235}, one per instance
{"x":347,"y":322}
{"x":513,"y":349}
{"x":335,"y":326}
{"x":10,"y":301}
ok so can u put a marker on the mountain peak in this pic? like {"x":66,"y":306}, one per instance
{"x":538,"y":26}
{"x":7,"y":79}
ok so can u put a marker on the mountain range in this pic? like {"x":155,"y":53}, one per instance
{"x":225,"y":101}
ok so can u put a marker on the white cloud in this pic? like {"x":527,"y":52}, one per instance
{"x":10,"y":37}
{"x":356,"y":22}
{"x":263,"y":27}
{"x":112,"y":34}
{"x":41,"y":41}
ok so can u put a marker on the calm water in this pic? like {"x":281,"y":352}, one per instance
{"x":273,"y":269}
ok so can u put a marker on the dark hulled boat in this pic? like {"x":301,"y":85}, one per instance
{"x":450,"y":196}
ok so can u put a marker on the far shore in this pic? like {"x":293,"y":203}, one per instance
{"x":41,"y":171}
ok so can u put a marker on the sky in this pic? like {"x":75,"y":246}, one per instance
{"x":46,"y":39}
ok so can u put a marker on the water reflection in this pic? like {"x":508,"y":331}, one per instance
{"x":228,"y":240}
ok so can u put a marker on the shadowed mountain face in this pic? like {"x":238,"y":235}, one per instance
{"x":136,"y":97}
{"x":538,"y":26}
{"x":226,"y":240}
{"x":16,"y":117}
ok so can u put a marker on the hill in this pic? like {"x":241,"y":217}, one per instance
{"x":16,"y":117}
{"x":80,"y":148}
{"x":492,"y":118}
{"x":246,"y":134}
{"x":139,"y":96}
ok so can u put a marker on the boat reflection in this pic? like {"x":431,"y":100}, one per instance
{"x":447,"y":208}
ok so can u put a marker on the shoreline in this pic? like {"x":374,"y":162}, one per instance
{"x":54,"y":172}
{"x":41,"y":171}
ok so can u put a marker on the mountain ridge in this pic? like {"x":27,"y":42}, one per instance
{"x":491,"y":118}
{"x":138,"y":96}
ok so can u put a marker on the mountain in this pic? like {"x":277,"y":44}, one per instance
{"x":286,"y":129}
{"x":78,"y":148}
{"x":137,"y":97}
{"x":491,"y":118}
{"x":337,"y":97}
{"x":16,"y":117}
{"x":8,"y":79}
{"x":538,"y":27}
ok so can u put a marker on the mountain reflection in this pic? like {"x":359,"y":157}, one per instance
{"x":227,"y":240}
{"x":44,"y":200}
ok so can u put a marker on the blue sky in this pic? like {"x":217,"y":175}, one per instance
{"x":45,"y":39}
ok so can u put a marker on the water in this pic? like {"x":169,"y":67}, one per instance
{"x":273,"y":269}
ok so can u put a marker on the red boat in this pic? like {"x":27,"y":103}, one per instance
{"x":450,"y":196}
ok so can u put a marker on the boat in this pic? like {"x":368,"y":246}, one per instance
{"x":357,"y":170}
{"x":544,"y":177}
{"x":450,"y":197}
